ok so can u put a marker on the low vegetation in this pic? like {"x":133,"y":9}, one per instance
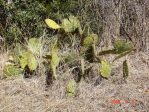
{"x":73,"y":42}
{"x":38,"y":52}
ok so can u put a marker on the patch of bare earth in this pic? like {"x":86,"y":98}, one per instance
{"x":113,"y":95}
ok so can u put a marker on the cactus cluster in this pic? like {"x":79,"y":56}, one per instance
{"x":88,"y":50}
{"x":86,"y":56}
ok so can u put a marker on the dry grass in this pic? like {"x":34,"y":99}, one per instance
{"x":3,"y":59}
{"x":29,"y":95}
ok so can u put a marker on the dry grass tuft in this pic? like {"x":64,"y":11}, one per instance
{"x":3,"y":59}
{"x":31,"y":95}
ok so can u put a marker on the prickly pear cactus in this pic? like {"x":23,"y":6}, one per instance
{"x":70,"y":24}
{"x":34,"y":45}
{"x":11,"y":70}
{"x":125,"y":69}
{"x":52,"y":24}
{"x":90,"y":39}
{"x":122,"y":46}
{"x":71,"y":88}
{"x":105,"y":69}
{"x":29,"y":59}
{"x":55,"y":59}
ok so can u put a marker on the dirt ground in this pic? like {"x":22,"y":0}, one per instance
{"x":113,"y":95}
